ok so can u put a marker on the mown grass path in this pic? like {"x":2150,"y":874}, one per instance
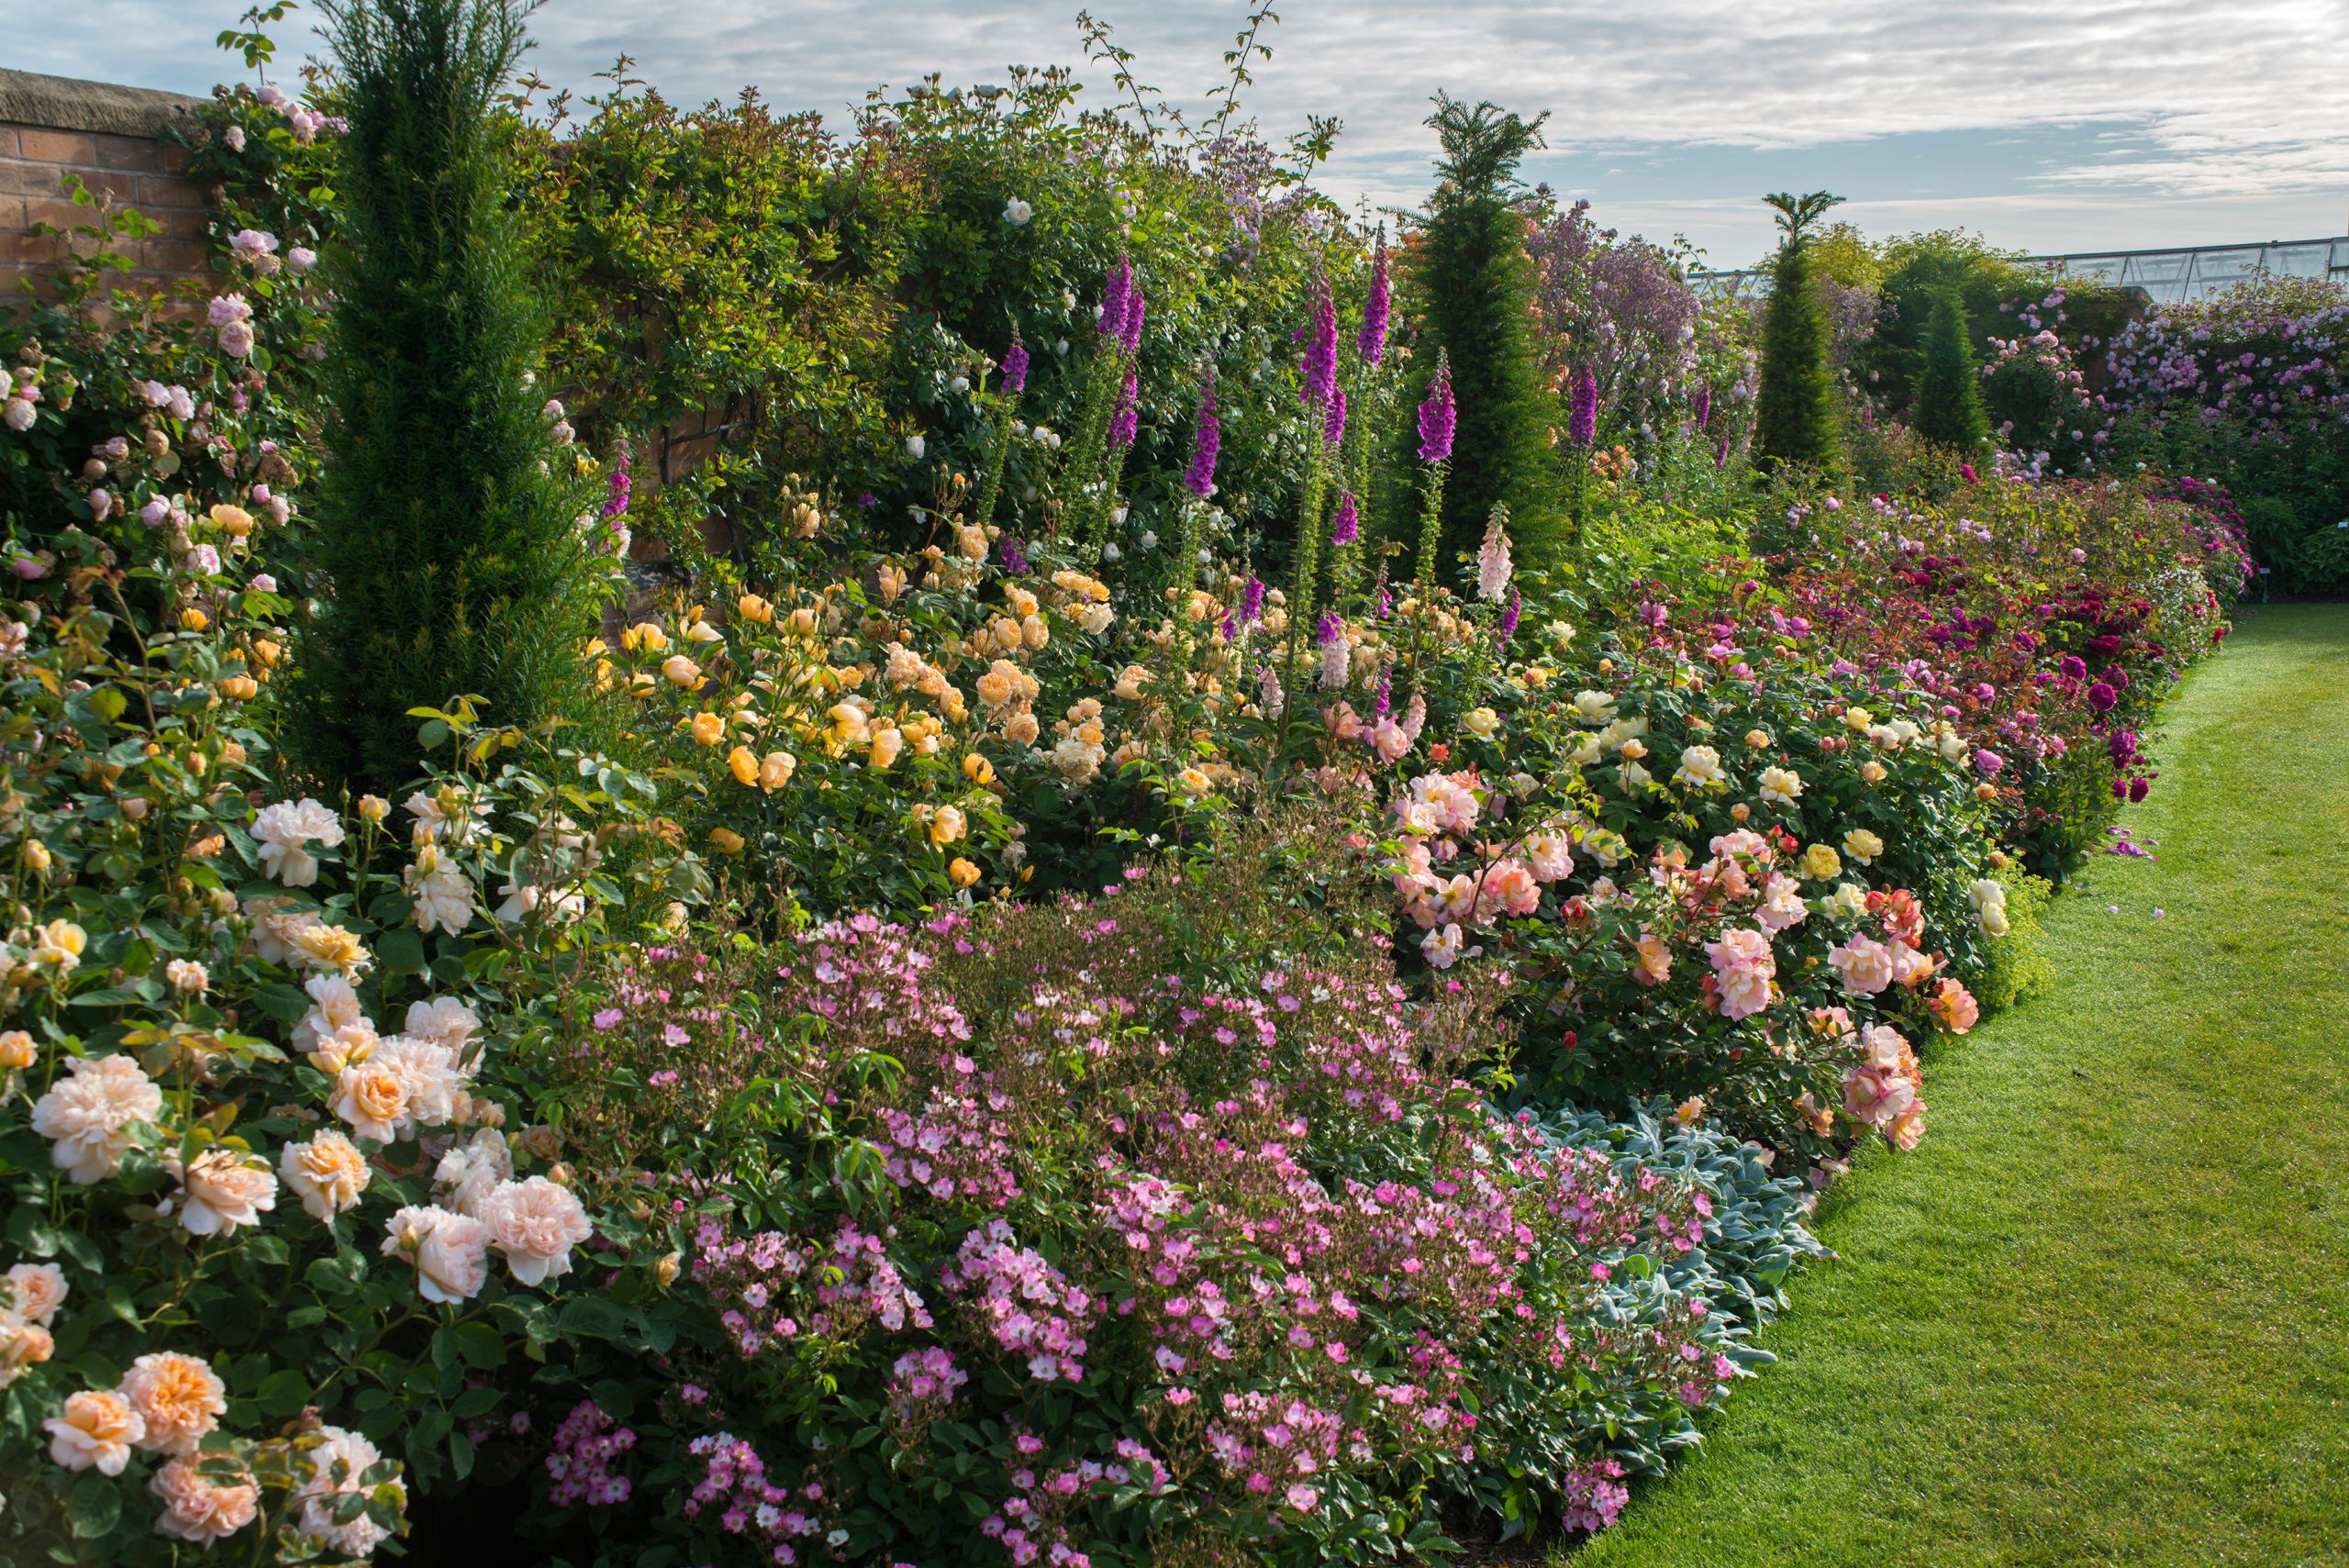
{"x":2102,"y":1315}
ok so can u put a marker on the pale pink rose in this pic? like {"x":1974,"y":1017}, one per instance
{"x":1452,"y":798}
{"x":93,"y":1433}
{"x":1907,"y":1129}
{"x":35,"y":1293}
{"x":430,"y":1071}
{"x":534,"y":1224}
{"x":1507,"y":887}
{"x":471,"y":1173}
{"x":1742,"y":841}
{"x":1741,"y":947}
{"x":1956,"y":1008}
{"x":1456,"y":900}
{"x":1909,"y":965}
{"x":327,"y":1173}
{"x":1782,"y":903}
{"x":1550,"y":854}
{"x":373,"y":1098}
{"x":205,"y":1499}
{"x":1886,"y":1048}
{"x":337,"y":1464}
{"x":89,"y":1114}
{"x":1442,"y":947}
{"x":1874,"y":1097}
{"x":1390,"y":740}
{"x":224,"y":1190}
{"x":1863,"y":963}
{"x":1653,"y":965}
{"x":179,"y":1399}
{"x":1743,"y":992}
{"x":450,"y":1251}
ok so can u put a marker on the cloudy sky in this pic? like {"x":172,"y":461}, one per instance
{"x":2050,"y":125}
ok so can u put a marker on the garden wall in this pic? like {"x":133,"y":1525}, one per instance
{"x":53,"y":127}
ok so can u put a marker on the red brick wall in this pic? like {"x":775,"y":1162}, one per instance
{"x":110,"y":137}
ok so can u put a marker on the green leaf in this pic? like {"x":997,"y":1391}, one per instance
{"x":481,"y":1346}
{"x":400,"y":952}
{"x":94,"y":1507}
{"x":282,"y":1393}
{"x":593,"y":1317}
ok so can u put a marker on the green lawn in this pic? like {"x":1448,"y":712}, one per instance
{"x":2102,"y":1315}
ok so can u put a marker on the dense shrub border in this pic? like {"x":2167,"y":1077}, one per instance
{"x":1233,"y":1203}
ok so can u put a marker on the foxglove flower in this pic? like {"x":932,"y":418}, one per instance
{"x":1582,"y":413}
{"x":1334,"y":419}
{"x":1269,"y":694}
{"x":1015,"y":366}
{"x":1252,"y":603}
{"x":1335,"y":652}
{"x":1438,"y":418}
{"x":1125,"y":423}
{"x":1348,"y":525}
{"x":1129,"y":329}
{"x":1371,"y":342}
{"x":1200,"y":478}
{"x":1493,"y":563}
{"x":1116,"y":291}
{"x":1322,"y":350}
{"x":1703,"y":410}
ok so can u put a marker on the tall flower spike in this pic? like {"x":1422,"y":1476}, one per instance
{"x":1200,"y":478}
{"x":1582,"y":414}
{"x":1333,"y":420}
{"x":1322,"y":350}
{"x":1115,"y":292}
{"x":1348,"y":525}
{"x":1437,"y":416}
{"x":1251,"y":602}
{"x":1015,"y":366}
{"x":1493,"y":563}
{"x":1129,"y":329}
{"x":1371,"y":342}
{"x":1703,"y":410}
{"x":1126,"y":422}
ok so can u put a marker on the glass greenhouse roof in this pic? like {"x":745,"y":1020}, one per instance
{"x":2168,"y":277}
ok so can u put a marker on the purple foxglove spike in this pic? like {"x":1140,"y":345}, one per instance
{"x":1348,"y":526}
{"x":1371,"y":342}
{"x":1015,"y":366}
{"x":1200,"y":478}
{"x":1438,"y":416}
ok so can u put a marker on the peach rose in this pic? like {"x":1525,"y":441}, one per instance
{"x":89,"y":1114}
{"x":178,"y":1398}
{"x":1865,"y":965}
{"x":223,"y":1190}
{"x":35,"y":1293}
{"x":93,"y":1433}
{"x":205,"y":1499}
{"x":337,"y":1464}
{"x":450,"y":1251}
{"x":327,"y":1173}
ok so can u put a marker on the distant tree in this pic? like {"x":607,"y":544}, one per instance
{"x":448,"y":557}
{"x":1794,"y":413}
{"x":1475,"y":285}
{"x":1949,"y":397}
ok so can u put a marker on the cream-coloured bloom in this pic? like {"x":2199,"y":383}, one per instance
{"x":286,"y":831}
{"x":1781,"y":787}
{"x":709,"y":729}
{"x":450,"y":1251}
{"x":681,"y":671}
{"x":206,"y":1498}
{"x":471,"y":1171}
{"x":95,"y":1431}
{"x":188,"y":978}
{"x":223,"y":1189}
{"x":15,"y":1046}
{"x":33,"y":1293}
{"x":327,"y":1173}
{"x":445,"y":1021}
{"x":1634,"y":776}
{"x":1700,"y":767}
{"x":178,"y":1398}
{"x":441,"y":891}
{"x":775,"y":769}
{"x":1596,"y":707}
{"x":1862,"y":846}
{"x":317,"y":946}
{"x":1481,"y":722}
{"x":338,"y":1463}
{"x":22,"y":1345}
{"x":445,"y":817}
{"x":88,"y":1115}
{"x":335,"y":1022}
{"x":946,"y":825}
{"x":1873,"y":771}
{"x":887,"y":743}
{"x":534,"y":1224}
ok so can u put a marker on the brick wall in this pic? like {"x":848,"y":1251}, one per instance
{"x":51,"y":127}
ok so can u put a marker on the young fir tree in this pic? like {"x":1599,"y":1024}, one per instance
{"x":447,"y":558}
{"x":1795,"y":410}
{"x":1949,"y":397}
{"x":1472,"y":278}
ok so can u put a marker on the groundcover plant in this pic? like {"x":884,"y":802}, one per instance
{"x":1048,"y":976}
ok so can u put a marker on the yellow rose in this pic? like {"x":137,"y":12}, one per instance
{"x":234,"y":521}
{"x":1821,"y":863}
{"x":886,"y":744}
{"x":961,"y":872}
{"x":744,"y":766}
{"x":682,"y":672}
{"x":1191,"y":780}
{"x":751,"y":608}
{"x":192,"y":620}
{"x":946,"y":825}
{"x":709,"y":729}
{"x":774,"y":770}
{"x":725,"y":840}
{"x":240,"y":688}
{"x":977,"y":769}
{"x":1861,"y":845}
{"x":1482,"y":722}
{"x":16,"y":1046}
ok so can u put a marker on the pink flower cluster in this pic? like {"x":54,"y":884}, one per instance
{"x":588,"y":1446}
{"x":1027,"y":1306}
